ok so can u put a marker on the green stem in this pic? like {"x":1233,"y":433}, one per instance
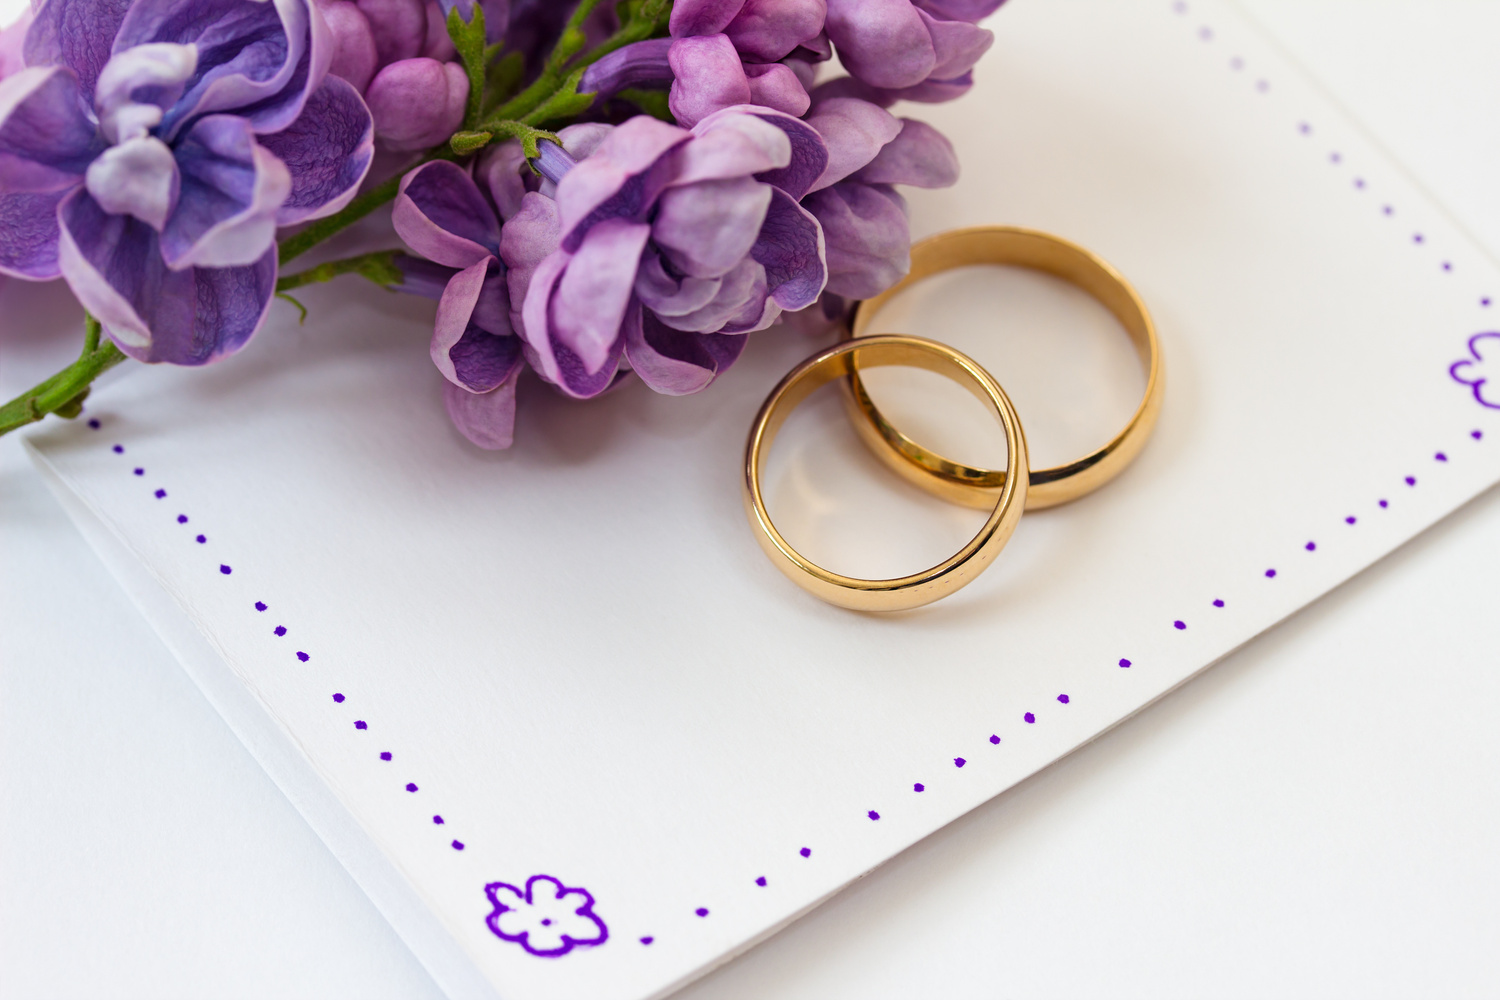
{"x":316,"y":232}
{"x":63,"y":393}
{"x":379,"y":267}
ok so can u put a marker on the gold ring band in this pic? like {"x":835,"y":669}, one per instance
{"x":919,"y":588}
{"x":1042,"y":252}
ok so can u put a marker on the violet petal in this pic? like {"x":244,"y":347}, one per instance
{"x":704,"y":229}
{"x":529,"y":237}
{"x":454,"y":310}
{"x":551,"y":358}
{"x":708,"y":76}
{"x":594,"y":291}
{"x":855,"y":131}
{"x":328,"y":150}
{"x":138,"y":177}
{"x":730,"y":144}
{"x":956,"y":44}
{"x":78,"y":34}
{"x":743,"y":287}
{"x":775,"y":86}
{"x":885,"y":43}
{"x":675,"y":363}
{"x":618,"y":180}
{"x":920,"y":156}
{"x":232,"y":188}
{"x":766,"y":30}
{"x":500,"y":171}
{"x":442,"y":215}
{"x":487,"y":419}
{"x":868,"y":238}
{"x":702,"y":17}
{"x":353,"y":42}
{"x":417,"y":103}
{"x":398,"y":26}
{"x":639,"y":64}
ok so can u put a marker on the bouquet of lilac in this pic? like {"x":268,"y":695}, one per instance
{"x":588,"y":192}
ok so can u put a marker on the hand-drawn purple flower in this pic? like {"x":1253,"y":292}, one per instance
{"x":548,"y":919}
{"x":863,"y":218}
{"x":669,"y":246}
{"x":443,"y":215}
{"x":150,"y":149}
{"x":904,"y":45}
{"x":1471,"y":371}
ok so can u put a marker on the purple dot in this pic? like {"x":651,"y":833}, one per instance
{"x":1236,"y":63}
{"x":361,"y":724}
{"x":260,"y":605}
{"x":806,"y":852}
{"x":411,"y":786}
{"x":119,"y":449}
{"x":1359,"y":182}
{"x":1262,"y":85}
{"x":959,"y":762}
{"x":1179,"y":7}
{"x":1447,"y":266}
{"x":1206,"y":34}
{"x":385,"y":755}
{"x":1484,"y":302}
{"x":458,"y":845}
{"x":1304,"y":128}
{"x":202,"y":539}
{"x":338,"y":698}
{"x":1335,"y":158}
{"x":1416,"y":237}
{"x":1440,"y":457}
{"x":94,"y":424}
{"x":873,"y":814}
{"x":279,"y":630}
{"x":1125,"y":664}
{"x":761,"y":881}
{"x":1029,"y":717}
{"x":301,"y":656}
{"x":161,"y":494}
{"x":919,"y":787}
{"x":1270,"y":574}
{"x":225,"y":569}
{"x":1062,"y":698}
{"x":1388,"y":210}
{"x":546,"y":921}
{"x":702,"y":911}
{"x":1311,"y":546}
{"x":140,"y":472}
{"x":647,"y":939}
{"x":1179,"y":625}
{"x":1411,"y":480}
{"x":182,"y":519}
{"x":994,"y":739}
{"x":437,"y":821}
{"x":1218,"y":603}
{"x":1350,"y":519}
{"x":1476,"y":435}
{"x":1384,"y":504}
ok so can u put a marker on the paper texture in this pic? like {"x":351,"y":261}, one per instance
{"x":490,"y":679}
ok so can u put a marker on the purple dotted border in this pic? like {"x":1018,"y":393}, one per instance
{"x":1204,"y":33}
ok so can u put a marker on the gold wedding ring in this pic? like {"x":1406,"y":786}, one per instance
{"x":1042,"y":252}
{"x":1008,"y":499}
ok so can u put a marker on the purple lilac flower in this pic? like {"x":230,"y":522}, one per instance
{"x":916,"y":49}
{"x":668,"y":246}
{"x":150,"y":149}
{"x":442,"y":214}
{"x":397,"y":54}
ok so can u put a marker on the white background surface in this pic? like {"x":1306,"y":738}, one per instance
{"x":1315,"y":816}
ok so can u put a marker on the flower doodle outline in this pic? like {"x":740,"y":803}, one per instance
{"x":1476,"y":359}
{"x":543,"y":908}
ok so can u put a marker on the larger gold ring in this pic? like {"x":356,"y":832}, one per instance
{"x":1043,"y":252}
{"x":919,"y":588}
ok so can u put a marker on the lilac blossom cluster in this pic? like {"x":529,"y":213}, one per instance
{"x":153,"y":153}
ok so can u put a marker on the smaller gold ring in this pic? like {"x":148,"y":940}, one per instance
{"x":919,"y":588}
{"x":1042,"y":252}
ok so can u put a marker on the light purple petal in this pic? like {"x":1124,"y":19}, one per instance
{"x":399,"y":27}
{"x":232,"y":188}
{"x":256,"y":59}
{"x":959,"y":10}
{"x":620,"y":180}
{"x":676,"y":363}
{"x":472,"y":341}
{"x":581,"y":140}
{"x":28,"y":233}
{"x":766,"y":30}
{"x":138,"y":177}
{"x":791,"y":249}
{"x":353,"y":42}
{"x":46,"y":139}
{"x":417,"y":103}
{"x":551,"y":358}
{"x":709,"y":76}
{"x":13,"y":44}
{"x":438,"y":44}
{"x":441,"y":214}
{"x":187,"y":317}
{"x":455,"y":307}
{"x":704,"y":229}
{"x":885,"y":43}
{"x":485,"y":360}
{"x":731,"y":143}
{"x":956,"y":44}
{"x":775,"y":86}
{"x":920,"y":156}
{"x":793,"y":166}
{"x":500,"y":171}
{"x":487,"y":419}
{"x":594,"y":291}
{"x":867,"y":237}
{"x":930,"y":91}
{"x":328,"y":151}
{"x":742,"y":289}
{"x":77,"y":34}
{"x":422,"y":277}
{"x":529,"y":237}
{"x":702,"y":17}
{"x":855,"y":131}
{"x":668,"y":294}
{"x":137,"y":86}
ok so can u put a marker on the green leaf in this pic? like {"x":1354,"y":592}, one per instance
{"x":467,"y":142}
{"x":565,"y":102}
{"x":468,"y":39}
